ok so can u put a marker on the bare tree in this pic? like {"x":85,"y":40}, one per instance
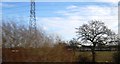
{"x":94,"y":33}
{"x":17,"y":35}
{"x":73,"y":44}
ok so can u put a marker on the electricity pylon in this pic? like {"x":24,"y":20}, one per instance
{"x":32,"y":23}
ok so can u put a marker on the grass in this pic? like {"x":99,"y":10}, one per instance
{"x":101,"y":56}
{"x":56,"y":54}
{"x":104,"y":56}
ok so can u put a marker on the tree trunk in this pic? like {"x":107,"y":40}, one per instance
{"x":93,"y":54}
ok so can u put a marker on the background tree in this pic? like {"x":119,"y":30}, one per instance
{"x":94,"y":33}
{"x":17,"y":35}
{"x":73,"y":44}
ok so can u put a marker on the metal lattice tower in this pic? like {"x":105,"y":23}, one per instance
{"x":32,"y":22}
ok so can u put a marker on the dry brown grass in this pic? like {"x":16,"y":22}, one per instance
{"x":58,"y":53}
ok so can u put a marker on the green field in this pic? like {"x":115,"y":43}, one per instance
{"x":101,"y":56}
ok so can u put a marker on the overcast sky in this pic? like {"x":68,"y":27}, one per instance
{"x":63,"y":17}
